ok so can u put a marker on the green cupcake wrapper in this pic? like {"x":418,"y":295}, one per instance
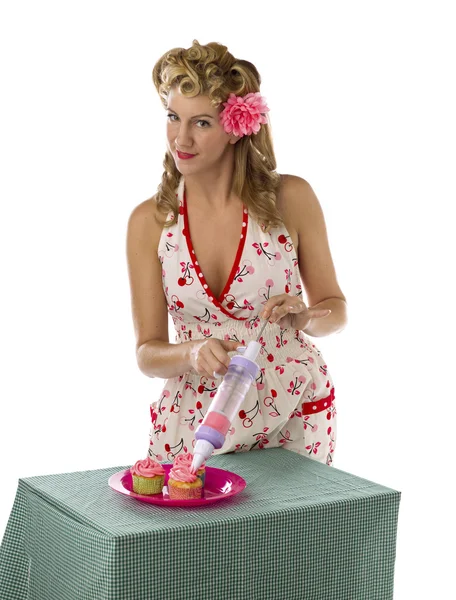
{"x":148,"y":485}
{"x":202,"y":476}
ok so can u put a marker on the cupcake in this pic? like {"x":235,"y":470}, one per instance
{"x":148,"y":477}
{"x":186,"y":459}
{"x":183,"y":484}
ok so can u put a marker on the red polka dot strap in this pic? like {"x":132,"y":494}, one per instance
{"x":310,"y":408}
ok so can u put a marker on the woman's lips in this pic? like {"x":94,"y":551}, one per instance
{"x":184,"y":156}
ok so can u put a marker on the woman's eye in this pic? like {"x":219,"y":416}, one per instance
{"x":206,"y":123}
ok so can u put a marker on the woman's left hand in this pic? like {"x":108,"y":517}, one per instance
{"x":291,"y":312}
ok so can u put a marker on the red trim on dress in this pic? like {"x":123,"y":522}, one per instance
{"x":237,"y":260}
{"x":310,"y":408}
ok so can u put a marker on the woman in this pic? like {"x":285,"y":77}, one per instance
{"x":224,"y":244}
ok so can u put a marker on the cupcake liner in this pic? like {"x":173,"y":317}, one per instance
{"x":184,"y":493}
{"x":201,"y":473}
{"x":146,"y":486}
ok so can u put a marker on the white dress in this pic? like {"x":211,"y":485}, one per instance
{"x":291,"y":403}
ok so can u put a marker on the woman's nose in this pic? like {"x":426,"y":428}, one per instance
{"x":183,"y":138}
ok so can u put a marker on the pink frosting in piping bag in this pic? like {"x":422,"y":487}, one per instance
{"x":182,"y":473}
{"x":147,"y":468}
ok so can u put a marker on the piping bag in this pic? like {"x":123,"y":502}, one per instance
{"x":211,"y":432}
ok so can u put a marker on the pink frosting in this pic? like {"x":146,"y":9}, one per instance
{"x":147,"y":468}
{"x":186,"y":459}
{"x":182,"y":473}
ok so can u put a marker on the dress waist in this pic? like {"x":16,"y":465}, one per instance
{"x":278,"y":345}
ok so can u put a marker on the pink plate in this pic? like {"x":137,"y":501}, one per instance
{"x":219,"y":484}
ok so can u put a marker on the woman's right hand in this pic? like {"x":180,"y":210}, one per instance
{"x":209,"y":355}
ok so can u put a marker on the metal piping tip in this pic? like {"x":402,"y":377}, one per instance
{"x":262,"y":329}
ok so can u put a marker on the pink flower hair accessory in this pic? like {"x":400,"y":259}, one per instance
{"x":242,"y":115}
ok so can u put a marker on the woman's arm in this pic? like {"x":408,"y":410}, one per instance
{"x":156,"y":357}
{"x":162,"y":359}
{"x":316,"y":266}
{"x":333,"y":323}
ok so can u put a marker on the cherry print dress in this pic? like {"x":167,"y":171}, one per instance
{"x":291,"y":404}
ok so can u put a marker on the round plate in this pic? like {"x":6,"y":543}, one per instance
{"x":219,"y":484}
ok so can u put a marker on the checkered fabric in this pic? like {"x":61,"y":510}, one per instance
{"x":300,"y":530}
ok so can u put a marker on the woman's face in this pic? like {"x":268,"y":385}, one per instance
{"x":193,"y":127}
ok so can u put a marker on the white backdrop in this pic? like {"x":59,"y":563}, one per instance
{"x":362,"y":106}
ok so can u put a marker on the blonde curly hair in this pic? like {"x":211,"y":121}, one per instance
{"x":211,"y":70}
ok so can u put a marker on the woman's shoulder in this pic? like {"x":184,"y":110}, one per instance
{"x":148,"y":210}
{"x":292,"y":184}
{"x":296,"y":197}
{"x":291,"y":191}
{"x":143,"y":212}
{"x":145,"y":220}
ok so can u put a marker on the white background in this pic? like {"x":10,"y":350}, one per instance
{"x":362,"y":106}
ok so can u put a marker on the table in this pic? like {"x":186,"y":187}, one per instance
{"x":300,"y":530}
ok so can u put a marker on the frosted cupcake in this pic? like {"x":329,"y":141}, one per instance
{"x":186,"y":459}
{"x":183,"y":484}
{"x":148,"y":477}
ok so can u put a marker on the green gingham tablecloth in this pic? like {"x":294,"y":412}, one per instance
{"x":299,"y":530}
